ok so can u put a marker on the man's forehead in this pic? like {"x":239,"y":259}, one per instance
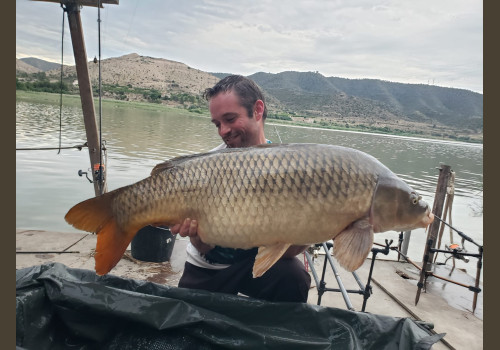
{"x":224,"y":95}
{"x":224,"y":103}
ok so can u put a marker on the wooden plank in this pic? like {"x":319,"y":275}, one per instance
{"x":167,"y":272}
{"x":92,"y":3}
{"x":40,"y":241}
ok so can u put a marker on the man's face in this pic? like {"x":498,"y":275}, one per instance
{"x":234,"y":125}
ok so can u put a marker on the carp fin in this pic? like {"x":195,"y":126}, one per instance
{"x":267,"y":257}
{"x":352,"y":246}
{"x":171,"y":163}
{"x":95,"y":215}
{"x":91,"y":214}
{"x":181,"y":159}
{"x":111,"y":244}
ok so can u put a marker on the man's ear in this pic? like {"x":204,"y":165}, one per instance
{"x":258,"y":110}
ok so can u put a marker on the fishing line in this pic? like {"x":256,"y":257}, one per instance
{"x":79,"y":147}
{"x":277,"y":133}
{"x":131,"y":22}
{"x":61,"y":81}
{"x":101,"y":177}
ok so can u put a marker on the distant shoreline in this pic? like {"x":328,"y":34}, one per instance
{"x":74,"y":100}
{"x":414,"y":138}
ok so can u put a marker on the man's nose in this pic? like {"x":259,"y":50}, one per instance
{"x":224,"y":130}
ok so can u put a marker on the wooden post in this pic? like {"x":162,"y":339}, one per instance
{"x":72,"y":8}
{"x":437,"y":208}
{"x":86,"y":96}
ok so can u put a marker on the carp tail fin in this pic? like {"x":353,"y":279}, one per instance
{"x":111,"y":244}
{"x":96,"y":215}
{"x":352,"y":246}
{"x":267,"y":257}
{"x":92,"y":214}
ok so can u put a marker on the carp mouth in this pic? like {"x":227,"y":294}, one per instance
{"x":427,"y":219}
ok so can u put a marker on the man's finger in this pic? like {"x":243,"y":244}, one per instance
{"x":175,"y":229}
{"x":184,"y":229}
{"x":193,"y":228}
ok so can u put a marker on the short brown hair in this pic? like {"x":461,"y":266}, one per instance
{"x":247,"y":91}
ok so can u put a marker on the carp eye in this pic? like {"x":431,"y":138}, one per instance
{"x":415,"y":199}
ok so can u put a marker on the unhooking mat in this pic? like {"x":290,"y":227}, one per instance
{"x":63,"y":308}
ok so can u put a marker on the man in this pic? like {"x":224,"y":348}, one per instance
{"x":238,"y":110}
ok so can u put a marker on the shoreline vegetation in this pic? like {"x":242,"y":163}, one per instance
{"x":202,"y":111}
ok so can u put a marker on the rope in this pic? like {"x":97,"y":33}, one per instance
{"x":61,"y":82}
{"x":101,"y":173}
{"x":79,"y":147}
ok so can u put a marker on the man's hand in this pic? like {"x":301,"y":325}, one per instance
{"x":189,"y":228}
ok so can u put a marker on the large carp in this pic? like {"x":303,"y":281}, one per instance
{"x":269,"y":196}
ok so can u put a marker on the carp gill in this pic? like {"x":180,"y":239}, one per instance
{"x":269,"y":196}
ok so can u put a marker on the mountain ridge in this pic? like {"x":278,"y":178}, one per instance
{"x":307,"y":97}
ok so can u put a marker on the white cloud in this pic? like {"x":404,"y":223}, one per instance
{"x":404,"y":41}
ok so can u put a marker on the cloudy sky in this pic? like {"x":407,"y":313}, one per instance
{"x":422,"y":42}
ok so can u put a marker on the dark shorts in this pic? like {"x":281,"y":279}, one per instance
{"x":287,"y":280}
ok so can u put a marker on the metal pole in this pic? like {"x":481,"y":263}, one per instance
{"x":315,"y":276}
{"x":406,"y":242}
{"x":478,"y":276}
{"x":82,"y":71}
{"x":337,"y":277}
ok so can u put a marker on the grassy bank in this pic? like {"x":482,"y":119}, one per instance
{"x":74,"y":101}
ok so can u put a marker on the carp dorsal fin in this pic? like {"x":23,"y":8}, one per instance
{"x":175,"y":162}
{"x":181,"y":159}
{"x":162,"y":166}
{"x":352,"y":246}
{"x":267,"y":256}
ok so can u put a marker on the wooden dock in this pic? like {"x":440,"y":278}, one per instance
{"x":447,"y":306}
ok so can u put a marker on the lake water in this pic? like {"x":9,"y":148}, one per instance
{"x":47,"y":183}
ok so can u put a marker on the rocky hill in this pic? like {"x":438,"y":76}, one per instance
{"x":376,"y":102}
{"x":23,"y":67}
{"x":134,"y":71}
{"x":305,"y":97}
{"x":41,"y":64}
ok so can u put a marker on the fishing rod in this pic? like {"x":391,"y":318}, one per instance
{"x":456,"y":253}
{"x":472,"y":288}
{"x":460,"y":233}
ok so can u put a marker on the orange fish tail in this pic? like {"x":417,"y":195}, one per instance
{"x":96,"y":215}
{"x":111,"y":244}
{"x":91,"y":215}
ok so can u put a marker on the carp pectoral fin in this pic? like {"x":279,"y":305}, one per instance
{"x":267,"y":256}
{"x":111,"y":244}
{"x":352,"y":246}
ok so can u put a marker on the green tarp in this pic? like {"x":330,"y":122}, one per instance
{"x":62,"y":308}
